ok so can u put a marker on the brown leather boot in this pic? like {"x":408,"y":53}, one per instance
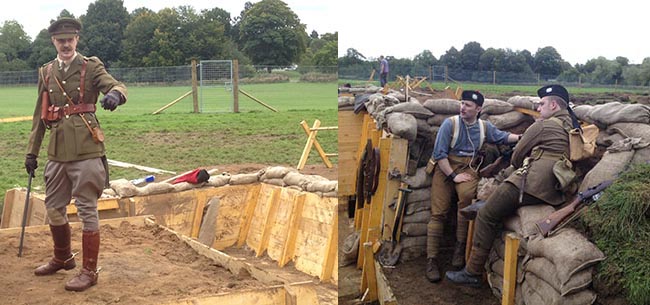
{"x":88,"y":275}
{"x":458,"y":260}
{"x":63,"y":258}
{"x":433,"y":270}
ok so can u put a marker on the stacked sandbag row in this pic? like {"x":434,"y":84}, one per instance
{"x":608,"y":114}
{"x":276,"y":175}
{"x":417,"y":213}
{"x":553,"y":270}
{"x":351,"y":94}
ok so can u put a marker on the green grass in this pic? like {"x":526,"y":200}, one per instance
{"x":178,"y":140}
{"x":620,"y":227}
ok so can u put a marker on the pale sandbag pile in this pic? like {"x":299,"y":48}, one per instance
{"x":276,"y":175}
{"x":417,"y":213}
{"x":347,"y":99}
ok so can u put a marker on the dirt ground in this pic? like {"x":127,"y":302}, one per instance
{"x":140,"y":265}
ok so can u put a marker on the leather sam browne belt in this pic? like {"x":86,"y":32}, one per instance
{"x":78,"y":108}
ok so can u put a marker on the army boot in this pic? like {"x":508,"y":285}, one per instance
{"x":63,"y":257}
{"x":458,"y":260}
{"x":471,"y":274}
{"x":88,"y":275}
{"x":433,"y":270}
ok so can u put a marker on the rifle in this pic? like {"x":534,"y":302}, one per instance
{"x":503,"y":161}
{"x":554,"y":222}
{"x":22,"y":232}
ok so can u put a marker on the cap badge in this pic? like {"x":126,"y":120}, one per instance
{"x":549,"y":89}
{"x":474,"y":96}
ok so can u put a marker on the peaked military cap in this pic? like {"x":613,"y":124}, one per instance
{"x":65,"y":27}
{"x":556,"y":90}
{"x":473,"y":96}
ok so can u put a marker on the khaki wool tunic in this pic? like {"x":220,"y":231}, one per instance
{"x":70,"y":139}
{"x":550,"y":137}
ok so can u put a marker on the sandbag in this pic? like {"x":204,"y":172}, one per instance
{"x":155,"y":188}
{"x":184,"y":186}
{"x":411,"y":253}
{"x":413,"y":241}
{"x":530,"y":214}
{"x":238,"y":179}
{"x":276,"y":181}
{"x":631,"y":130}
{"x":417,"y":206}
{"x":508,"y":119}
{"x":546,"y":270}
{"x":582,"y":113}
{"x":333,"y":194}
{"x":420,"y":180}
{"x":295,"y":179}
{"x":423,"y":128}
{"x":641,"y":156}
{"x":438,"y":118}
{"x":498,"y":266}
{"x":496,"y":284}
{"x":494,"y":106}
{"x":421,"y":217}
{"x":346,"y":100}
{"x":321,"y":186}
{"x":608,"y":168}
{"x":616,"y":112}
{"x":219,"y":180}
{"x":350,"y":249}
{"x":605,"y":139}
{"x":415,"y":229}
{"x":536,"y":291}
{"x":402,"y":125}
{"x":414,"y":109}
{"x":124,"y":188}
{"x":527,"y":102}
{"x":486,"y":187}
{"x":568,"y":250}
{"x":419,"y":195}
{"x":443,"y":106}
{"x":275,"y":172}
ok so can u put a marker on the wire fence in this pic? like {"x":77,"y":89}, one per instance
{"x":182,"y":75}
{"x":447,"y":75}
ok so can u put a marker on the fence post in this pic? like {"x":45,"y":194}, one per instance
{"x":494,"y":77}
{"x":195,"y":95}
{"x":446,"y":74}
{"x":235,"y":86}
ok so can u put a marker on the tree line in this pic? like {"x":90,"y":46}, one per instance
{"x":546,"y":62}
{"x":265,"y":33}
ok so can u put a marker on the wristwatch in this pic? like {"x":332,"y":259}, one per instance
{"x":451,"y":176}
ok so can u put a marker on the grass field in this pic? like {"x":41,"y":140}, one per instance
{"x":179,"y":140}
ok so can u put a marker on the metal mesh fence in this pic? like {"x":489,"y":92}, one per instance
{"x":215,"y":93}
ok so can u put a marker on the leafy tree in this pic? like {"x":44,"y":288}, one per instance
{"x":425,"y":58}
{"x":517,"y":62}
{"x":492,"y":59}
{"x":352,"y":57}
{"x":139,"y":36}
{"x":530,"y":60}
{"x":451,"y":59}
{"x":42,"y":50}
{"x":14,"y":46}
{"x":470,"y":55}
{"x":104,"y":25}
{"x":271,"y":34}
{"x":548,"y":62}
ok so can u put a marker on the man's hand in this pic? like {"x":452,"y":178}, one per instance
{"x":111,"y":100}
{"x":31,"y":164}
{"x":463,"y":177}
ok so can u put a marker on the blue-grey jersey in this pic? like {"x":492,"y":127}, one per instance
{"x":464,"y":147}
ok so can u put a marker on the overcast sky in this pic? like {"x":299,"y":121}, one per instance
{"x":578,"y":30}
{"x":35,"y":15}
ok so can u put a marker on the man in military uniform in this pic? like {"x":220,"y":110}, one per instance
{"x":544,"y":143}
{"x":68,"y":88}
{"x":456,"y":153}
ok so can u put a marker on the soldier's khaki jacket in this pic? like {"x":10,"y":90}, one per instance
{"x":549,"y":137}
{"x":70,"y":139}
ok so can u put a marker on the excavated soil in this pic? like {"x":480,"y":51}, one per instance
{"x":140,"y":265}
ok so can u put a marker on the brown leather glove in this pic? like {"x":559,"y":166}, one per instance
{"x":31,"y":164}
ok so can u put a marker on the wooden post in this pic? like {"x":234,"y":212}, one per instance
{"x":369,"y":267}
{"x":195,"y":95}
{"x":294,"y":224}
{"x":470,"y":239}
{"x":446,"y":74}
{"x":510,"y":270}
{"x":235,"y":86}
{"x":494,"y":77}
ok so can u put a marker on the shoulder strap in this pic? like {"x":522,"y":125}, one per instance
{"x":559,"y":122}
{"x":455,"y":127}
{"x":46,"y":76}
{"x":82,"y":80}
{"x":483,"y":131}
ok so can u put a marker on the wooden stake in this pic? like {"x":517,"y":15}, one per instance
{"x":510,"y":269}
{"x":195,"y":90}
{"x":258,"y":101}
{"x":274,"y":201}
{"x":294,"y":224}
{"x":251,"y":203}
{"x":173,"y":102}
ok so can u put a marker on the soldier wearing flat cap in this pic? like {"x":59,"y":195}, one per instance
{"x":533,"y":182}
{"x":68,"y":89}
{"x":456,"y":173}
